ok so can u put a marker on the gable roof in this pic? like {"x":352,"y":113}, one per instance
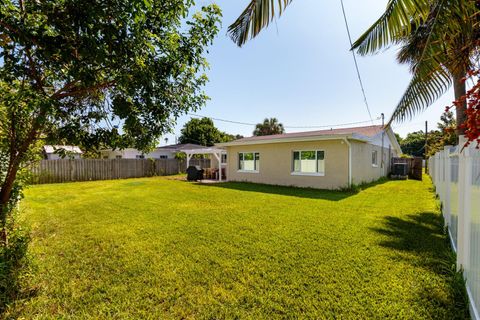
{"x":363,"y":134}
{"x":358,"y":133}
{"x":369,"y":131}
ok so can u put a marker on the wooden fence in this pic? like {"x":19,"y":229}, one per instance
{"x":414,"y":166}
{"x":55,"y":171}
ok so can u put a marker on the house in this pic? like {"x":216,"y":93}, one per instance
{"x":55,"y":152}
{"x":165,"y":152}
{"x":325,"y":159}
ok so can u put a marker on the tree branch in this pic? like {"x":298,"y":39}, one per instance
{"x":81,"y":91}
{"x":17,"y":32}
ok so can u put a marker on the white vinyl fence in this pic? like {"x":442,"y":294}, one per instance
{"x":456,"y":176}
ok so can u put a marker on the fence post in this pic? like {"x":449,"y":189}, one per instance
{"x":464,"y":216}
{"x":446,"y":189}
{"x":441,"y":176}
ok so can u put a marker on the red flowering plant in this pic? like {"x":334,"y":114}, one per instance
{"x":472,"y":113}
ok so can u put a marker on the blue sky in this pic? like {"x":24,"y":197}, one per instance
{"x":300,"y":71}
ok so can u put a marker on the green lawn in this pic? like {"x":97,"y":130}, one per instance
{"x":158,"y":248}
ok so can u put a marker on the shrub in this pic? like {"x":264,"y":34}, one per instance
{"x":14,"y":263}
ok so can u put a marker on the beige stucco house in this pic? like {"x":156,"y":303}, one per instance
{"x":325,"y":159}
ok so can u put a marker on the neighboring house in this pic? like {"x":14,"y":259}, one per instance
{"x":165,"y":152}
{"x":325,"y":159}
{"x":55,"y":152}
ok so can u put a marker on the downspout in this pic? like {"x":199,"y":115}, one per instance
{"x":349,"y":161}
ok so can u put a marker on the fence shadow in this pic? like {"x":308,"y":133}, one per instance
{"x":423,"y":237}
{"x":309,"y":193}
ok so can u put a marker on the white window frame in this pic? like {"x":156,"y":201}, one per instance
{"x":257,"y":169}
{"x":163,"y":156}
{"x":140,"y":156}
{"x":375,"y":164}
{"x":118,"y":157}
{"x":314,"y":174}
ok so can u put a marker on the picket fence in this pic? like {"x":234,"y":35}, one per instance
{"x":456,"y":176}
{"x":66,"y":170}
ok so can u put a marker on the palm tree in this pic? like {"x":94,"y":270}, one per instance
{"x":438,"y":39}
{"x":257,"y":15}
{"x":268,"y":127}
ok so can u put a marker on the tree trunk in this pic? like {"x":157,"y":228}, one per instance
{"x":459,"y":89}
{"x":5,"y":195}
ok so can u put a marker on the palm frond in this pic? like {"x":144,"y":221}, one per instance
{"x":394,"y":24}
{"x":439,"y":48}
{"x":256,"y":16}
{"x":430,"y":81}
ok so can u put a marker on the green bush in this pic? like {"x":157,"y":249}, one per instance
{"x":14,"y":264}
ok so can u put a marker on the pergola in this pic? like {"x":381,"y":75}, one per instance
{"x":216,"y":152}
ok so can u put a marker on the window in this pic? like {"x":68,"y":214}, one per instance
{"x":118,"y":157}
{"x":163,"y":157}
{"x":140,"y":156}
{"x":248,"y":161}
{"x":224,"y":158}
{"x":374,"y":158}
{"x":105,"y":157}
{"x":309,"y":162}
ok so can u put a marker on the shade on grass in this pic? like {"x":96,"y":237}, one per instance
{"x":160,"y":248}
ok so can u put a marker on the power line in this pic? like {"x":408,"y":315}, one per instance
{"x":287,"y":127}
{"x":355,"y":60}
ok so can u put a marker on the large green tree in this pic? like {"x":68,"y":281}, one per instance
{"x":414,"y":144}
{"x":444,"y":135}
{"x":107,"y":72}
{"x":203,"y":132}
{"x":268,"y":126}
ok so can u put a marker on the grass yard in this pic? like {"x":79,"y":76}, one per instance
{"x":158,"y":248}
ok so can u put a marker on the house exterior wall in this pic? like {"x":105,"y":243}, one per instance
{"x":276,"y":159}
{"x":362,"y":168}
{"x":132,"y":154}
{"x":55,"y":156}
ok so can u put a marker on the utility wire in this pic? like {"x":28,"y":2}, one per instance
{"x":287,"y":127}
{"x":355,"y":60}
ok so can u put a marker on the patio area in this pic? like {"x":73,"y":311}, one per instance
{"x":218,"y":163}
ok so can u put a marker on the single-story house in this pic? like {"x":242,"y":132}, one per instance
{"x":325,"y":159}
{"x":55,"y":152}
{"x":164,"y":152}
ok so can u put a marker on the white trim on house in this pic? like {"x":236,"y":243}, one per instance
{"x":313,"y":174}
{"x":248,"y":171}
{"x":349,"y":145}
{"x":305,"y":173}
{"x":256,"y":167}
{"x":375,"y":160}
